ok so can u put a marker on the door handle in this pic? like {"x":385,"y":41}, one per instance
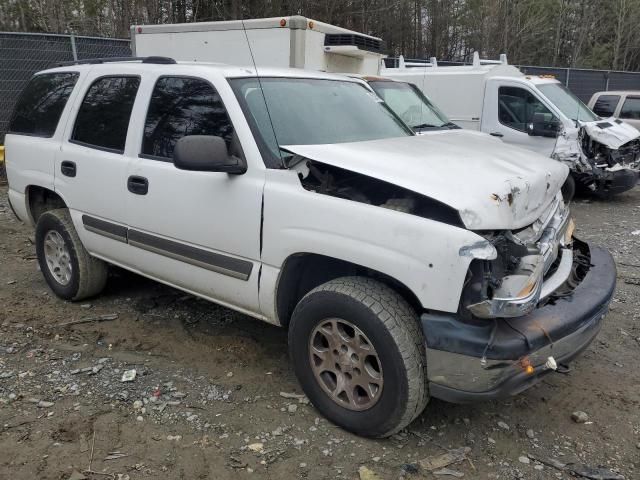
{"x":496,"y":134}
{"x":68,"y":168}
{"x":138,"y":185}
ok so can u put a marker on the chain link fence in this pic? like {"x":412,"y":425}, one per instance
{"x":23,"y":54}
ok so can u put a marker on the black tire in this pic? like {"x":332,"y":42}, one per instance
{"x":88,"y":274}
{"x":569,"y":188}
{"x":392,"y":327}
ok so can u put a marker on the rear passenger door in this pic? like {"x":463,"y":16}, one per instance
{"x":91,"y":167}
{"x":199,"y":231}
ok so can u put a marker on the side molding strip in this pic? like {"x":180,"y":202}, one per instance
{"x":108,"y":229}
{"x":224,"y":264}
{"x":233,"y":267}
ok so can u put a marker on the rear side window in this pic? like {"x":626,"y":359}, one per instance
{"x":605,"y":105}
{"x":41,"y":103}
{"x":631,"y":108}
{"x":182,"y":106}
{"x":103,"y":117}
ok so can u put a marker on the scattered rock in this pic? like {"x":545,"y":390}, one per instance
{"x":175,"y":438}
{"x":76,"y":475}
{"x":579,"y":417}
{"x":531,"y":434}
{"x":129,"y":375}
{"x":503,"y":425}
{"x":525,"y":460}
{"x":411,"y":468}
{"x":293,"y":408}
{"x":366,"y":474}
{"x":256,"y":447}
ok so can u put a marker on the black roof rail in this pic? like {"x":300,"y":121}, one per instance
{"x":92,"y":61}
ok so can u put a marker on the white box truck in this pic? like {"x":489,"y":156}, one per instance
{"x":284,"y":42}
{"x":534,"y":112}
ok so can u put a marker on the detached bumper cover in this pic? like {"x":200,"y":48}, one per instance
{"x":562,"y":329}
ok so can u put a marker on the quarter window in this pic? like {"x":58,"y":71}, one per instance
{"x":605,"y":105}
{"x":182,"y":106}
{"x":631,"y":108}
{"x":103,"y":117}
{"x":41,"y":103}
{"x":517,"y":106}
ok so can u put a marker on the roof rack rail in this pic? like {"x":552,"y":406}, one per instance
{"x":92,"y":61}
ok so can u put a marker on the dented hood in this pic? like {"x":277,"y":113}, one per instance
{"x":493,"y":185}
{"x":611,"y":132}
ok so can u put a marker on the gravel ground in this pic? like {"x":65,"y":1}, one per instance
{"x":214,"y":394}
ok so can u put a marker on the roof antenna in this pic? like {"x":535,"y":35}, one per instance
{"x":264,"y":98}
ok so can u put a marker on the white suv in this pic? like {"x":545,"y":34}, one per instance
{"x":404,"y":267}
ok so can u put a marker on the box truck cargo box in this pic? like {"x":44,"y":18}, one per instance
{"x":296,"y":42}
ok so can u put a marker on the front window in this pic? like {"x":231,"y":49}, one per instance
{"x":411,"y":105}
{"x":182,"y":106}
{"x":517,"y":108}
{"x":310,"y":111}
{"x":567,"y":102}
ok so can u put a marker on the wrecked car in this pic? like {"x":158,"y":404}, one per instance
{"x":535,"y":112}
{"x":404,"y":267}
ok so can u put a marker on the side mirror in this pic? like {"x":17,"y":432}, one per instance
{"x":541,"y":127}
{"x":206,"y":153}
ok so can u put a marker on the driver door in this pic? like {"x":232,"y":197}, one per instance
{"x":510,"y":110}
{"x":199,"y":231}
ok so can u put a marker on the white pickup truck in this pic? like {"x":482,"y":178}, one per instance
{"x":405,"y":267}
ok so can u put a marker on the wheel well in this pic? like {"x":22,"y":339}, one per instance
{"x":42,"y":200}
{"x":303,"y":272}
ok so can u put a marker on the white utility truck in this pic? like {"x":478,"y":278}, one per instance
{"x":281,"y":42}
{"x":534,"y":112}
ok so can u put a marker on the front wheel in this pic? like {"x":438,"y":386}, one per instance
{"x":358,"y":352}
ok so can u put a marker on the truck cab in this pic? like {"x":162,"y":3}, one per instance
{"x":534,"y":112}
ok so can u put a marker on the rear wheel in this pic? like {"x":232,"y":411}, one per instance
{"x":358,"y":352}
{"x":67,"y":267}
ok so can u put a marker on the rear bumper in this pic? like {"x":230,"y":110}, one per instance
{"x":464,"y":362}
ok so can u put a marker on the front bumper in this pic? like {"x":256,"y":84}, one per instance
{"x":610,"y":182}
{"x":470,"y":362}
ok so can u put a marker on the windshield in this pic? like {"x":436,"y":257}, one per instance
{"x":567,"y":102}
{"x":410,"y":104}
{"x":309,"y":111}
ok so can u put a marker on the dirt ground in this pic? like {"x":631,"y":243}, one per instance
{"x":207,"y":402}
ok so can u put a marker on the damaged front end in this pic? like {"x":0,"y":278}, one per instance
{"x":534,"y":298}
{"x":604,"y":156}
{"x":527,"y":266}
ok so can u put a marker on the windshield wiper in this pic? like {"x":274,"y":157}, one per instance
{"x":426,"y":125}
{"x":451,"y":125}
